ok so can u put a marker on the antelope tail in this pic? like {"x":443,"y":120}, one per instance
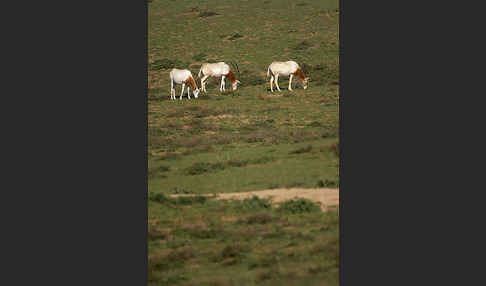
{"x":199,"y":74}
{"x":268,"y":72}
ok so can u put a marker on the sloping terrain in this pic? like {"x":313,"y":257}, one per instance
{"x":284,"y":143}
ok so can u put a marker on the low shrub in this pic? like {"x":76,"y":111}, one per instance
{"x":327,"y":184}
{"x":165,"y":64}
{"x":299,"y":205}
{"x":204,"y":14}
{"x":203,"y":167}
{"x":254,"y":203}
{"x":261,"y":218}
{"x":306,"y":149}
{"x":183,"y":200}
{"x":235,"y":36}
{"x":303,"y":45}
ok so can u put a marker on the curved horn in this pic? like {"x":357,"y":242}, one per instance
{"x":237,"y":69}
{"x":234,"y":64}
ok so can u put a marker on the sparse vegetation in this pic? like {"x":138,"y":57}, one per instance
{"x":177,"y":190}
{"x":294,"y":185}
{"x":262,"y":218}
{"x":298,"y":206}
{"x":335,"y":149}
{"x":251,"y":78}
{"x":303,"y":45}
{"x":235,"y":36}
{"x":202,"y":167}
{"x":242,"y":140}
{"x":255,"y":203}
{"x":327,"y":184}
{"x":193,"y":241}
{"x":165,"y":64}
{"x":158,"y":171}
{"x":166,"y":200}
{"x":205,"y":14}
{"x":305,"y":149}
{"x":205,"y":167}
{"x":199,"y":57}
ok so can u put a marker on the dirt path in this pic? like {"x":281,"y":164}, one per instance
{"x":325,"y":197}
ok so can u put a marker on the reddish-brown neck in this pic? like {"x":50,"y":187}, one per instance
{"x":299,"y":73}
{"x":191,"y":81}
{"x":231,"y":76}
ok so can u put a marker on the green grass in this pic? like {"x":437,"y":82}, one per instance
{"x":245,"y":140}
{"x":207,"y":242}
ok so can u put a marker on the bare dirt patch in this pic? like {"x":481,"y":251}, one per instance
{"x":324,"y":196}
{"x":229,"y":219}
{"x":221,"y":116}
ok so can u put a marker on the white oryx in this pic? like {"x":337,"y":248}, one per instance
{"x":220,"y":69}
{"x":290,"y":69}
{"x":182,"y":77}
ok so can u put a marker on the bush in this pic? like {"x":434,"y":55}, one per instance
{"x":262,"y":218}
{"x":273,"y":186}
{"x":189,"y":200}
{"x":201,"y":231}
{"x":237,"y":163}
{"x":231,"y":251}
{"x":203,"y":167}
{"x":183,"y":254}
{"x":231,"y":254}
{"x":262,"y":160}
{"x":299,"y":205}
{"x":159,"y":198}
{"x":327,"y":184}
{"x":302,"y":150}
{"x":255,"y":203}
{"x":263,"y":262}
{"x":204,"y":14}
{"x":303,"y":45}
{"x":315,"y":124}
{"x":162,"y":169}
{"x":155,"y":233}
{"x":294,"y":185}
{"x":186,"y":200}
{"x":157,"y":171}
{"x":170,"y":156}
{"x":235,"y":36}
{"x":177,"y":190}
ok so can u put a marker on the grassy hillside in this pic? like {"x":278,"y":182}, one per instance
{"x":246,"y":140}
{"x":198,"y":241}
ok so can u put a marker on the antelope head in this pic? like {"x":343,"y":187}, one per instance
{"x":234,"y":85}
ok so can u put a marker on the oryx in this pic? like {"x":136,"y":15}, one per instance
{"x":289,"y":68}
{"x":220,"y":69}
{"x":182,"y":77}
